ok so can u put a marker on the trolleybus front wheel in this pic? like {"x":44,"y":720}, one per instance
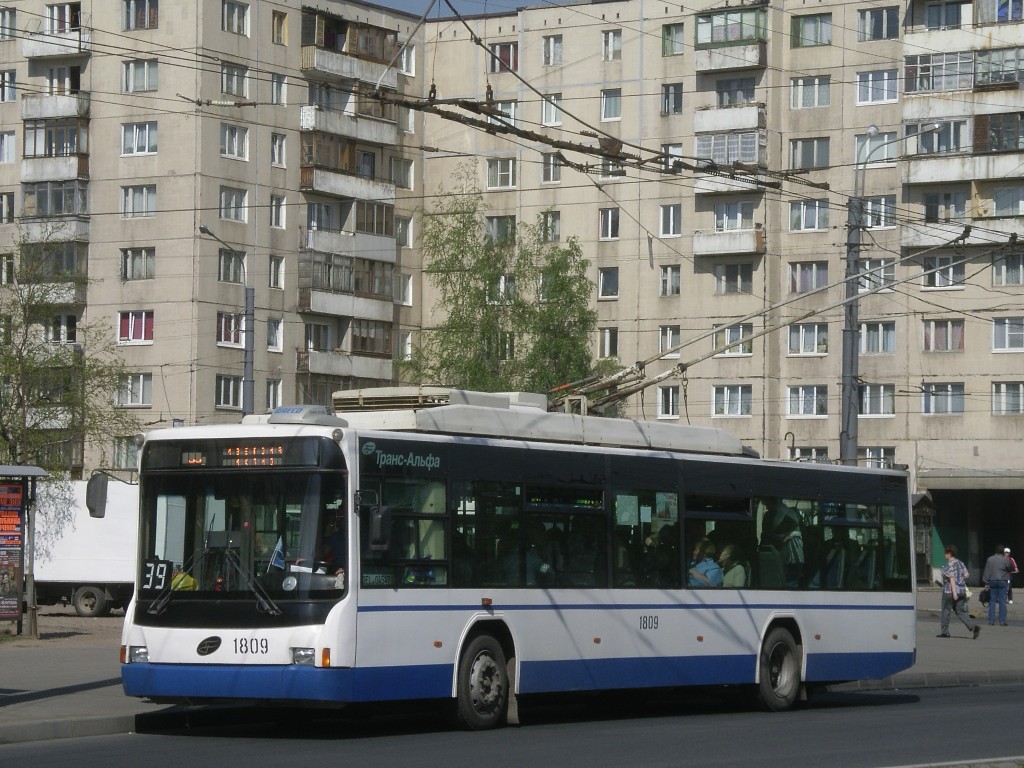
{"x":779,"y":678}
{"x":483,"y":685}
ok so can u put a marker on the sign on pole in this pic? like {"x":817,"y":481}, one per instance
{"x":12,"y":550}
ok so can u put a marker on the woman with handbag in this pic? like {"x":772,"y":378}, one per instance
{"x":954,"y":594}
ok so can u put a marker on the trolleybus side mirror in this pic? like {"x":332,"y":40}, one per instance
{"x":96,"y":495}
{"x":380,"y":528}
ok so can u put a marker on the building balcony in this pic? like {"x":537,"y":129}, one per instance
{"x":340,"y":363}
{"x":376,"y":247}
{"x":350,"y":125}
{"x":327,"y":182}
{"x":74,"y":42}
{"x":709,"y":242}
{"x":41,"y":106}
{"x":335,"y":64}
{"x":323,"y":301}
{"x":722,"y":185}
{"x":730,"y":57}
{"x":54,"y":168}
{"x":718,"y":120}
{"x":55,"y":228}
{"x":949,"y":169}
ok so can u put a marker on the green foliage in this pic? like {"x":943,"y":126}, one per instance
{"x":515,"y":309}
{"x":54,"y":397}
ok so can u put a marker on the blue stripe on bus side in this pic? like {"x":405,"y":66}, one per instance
{"x":434,"y":681}
{"x":636,"y":607}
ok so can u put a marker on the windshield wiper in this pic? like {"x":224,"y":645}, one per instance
{"x":263,"y":599}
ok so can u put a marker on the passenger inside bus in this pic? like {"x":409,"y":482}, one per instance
{"x":734,"y":572}
{"x":704,"y":569}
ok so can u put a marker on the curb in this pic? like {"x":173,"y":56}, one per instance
{"x":69,"y":728}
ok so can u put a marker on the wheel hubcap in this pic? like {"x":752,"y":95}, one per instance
{"x":485,"y":685}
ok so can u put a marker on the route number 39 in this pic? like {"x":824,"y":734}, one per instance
{"x":156,"y":574}
{"x":648,"y":622}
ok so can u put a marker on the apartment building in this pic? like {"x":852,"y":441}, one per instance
{"x":227,"y":179}
{"x":748,"y":133}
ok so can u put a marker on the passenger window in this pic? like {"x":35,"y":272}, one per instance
{"x":645,"y":540}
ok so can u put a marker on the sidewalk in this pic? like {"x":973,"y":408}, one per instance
{"x":67,"y":683}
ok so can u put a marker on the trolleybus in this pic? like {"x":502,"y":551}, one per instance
{"x":475,"y":547}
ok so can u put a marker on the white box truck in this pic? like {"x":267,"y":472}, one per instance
{"x":86,"y":561}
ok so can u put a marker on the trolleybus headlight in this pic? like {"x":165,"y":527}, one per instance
{"x":138,"y":654}
{"x":304,"y":656}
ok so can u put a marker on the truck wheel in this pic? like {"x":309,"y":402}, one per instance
{"x":482,"y":698}
{"x":779,"y":678}
{"x":91,"y":601}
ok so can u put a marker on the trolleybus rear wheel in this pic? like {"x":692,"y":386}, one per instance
{"x":779,"y":678}
{"x":482,"y":697}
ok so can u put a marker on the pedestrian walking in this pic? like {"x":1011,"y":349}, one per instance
{"x":954,"y":594}
{"x":1009,"y":587}
{"x":996,"y":577}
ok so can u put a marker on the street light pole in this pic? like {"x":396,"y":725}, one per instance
{"x":249,"y":331}
{"x":851,"y":323}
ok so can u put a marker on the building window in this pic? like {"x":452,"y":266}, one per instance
{"x":878,"y":338}
{"x":811,"y":30}
{"x":234,"y":141}
{"x":1008,"y":334}
{"x":804,"y":400}
{"x":672,"y":155}
{"x":54,"y":137}
{"x":943,"y":272}
{"x":277,"y":211}
{"x":55,"y":198}
{"x":808,"y":339}
{"x":808,"y":215}
{"x":953,"y":136}
{"x":877,"y":87}
{"x":400,"y":172}
{"x":945,"y":206}
{"x":507,"y":110}
{"x":504,"y":57}
{"x":732,"y":27}
{"x":63,"y":17}
{"x":229,"y":329}
{"x":234,"y":204}
{"x":138,"y":201}
{"x":139,"y":14}
{"x":732,"y":400}
{"x":403,"y":231}
{"x":318,"y":337}
{"x":943,"y":399}
{"x":672,"y":39}
{"x":126,"y":453}
{"x":1008,"y":269}
{"x":611,"y":104}
{"x":733,"y":339}
{"x":671,"y":220}
{"x":608,"y":341}
{"x":6,"y":207}
{"x":278,"y":89}
{"x":407,"y":60}
{"x":668,"y":341}
{"x":876,"y":274}
{"x":939,"y":71}
{"x":550,"y":109}
{"x":551,"y":226}
{"x":1008,"y":201}
{"x":234,"y":80}
{"x":372,"y":337}
{"x":879,"y":24}
{"x":734,"y":278}
{"x":277,"y":155}
{"x":138,"y":138}
{"x":879,"y":211}
{"x":876,"y":457}
{"x":729,"y":148}
{"x":807,"y":276}
{"x":672,"y":98}
{"x":609,"y":218}
{"x":501,"y":229}
{"x":135,"y":327}
{"x":501,"y":173}
{"x":228,"y":393}
{"x":552,"y":50}
{"x":62,"y":329}
{"x":731,"y":92}
{"x":611,"y":45}
{"x":942,"y":335}
{"x":808,"y":153}
{"x":279,"y":28}
{"x":403,"y":289}
{"x":138,"y":263}
{"x":274,"y":394}
{"x":139,"y":75}
{"x":668,"y":402}
{"x":876,"y":400}
{"x":608,"y":283}
{"x":551,"y":168}
{"x":809,"y":453}
{"x":669,"y":284}
{"x":230,"y":266}
{"x":8,"y":85}
{"x":876,"y":149}
{"x":8,"y":23}
{"x":276,"y":272}
{"x":8,"y":149}
{"x":135,"y":389}
{"x":734,"y":216}
{"x":1008,"y":398}
{"x":234,"y":17}
{"x":375,"y":218}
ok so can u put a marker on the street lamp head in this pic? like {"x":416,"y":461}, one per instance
{"x":872,"y":130}
{"x":205,"y":230}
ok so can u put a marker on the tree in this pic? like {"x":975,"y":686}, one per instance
{"x":59,"y":379}
{"x":514,"y":302}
